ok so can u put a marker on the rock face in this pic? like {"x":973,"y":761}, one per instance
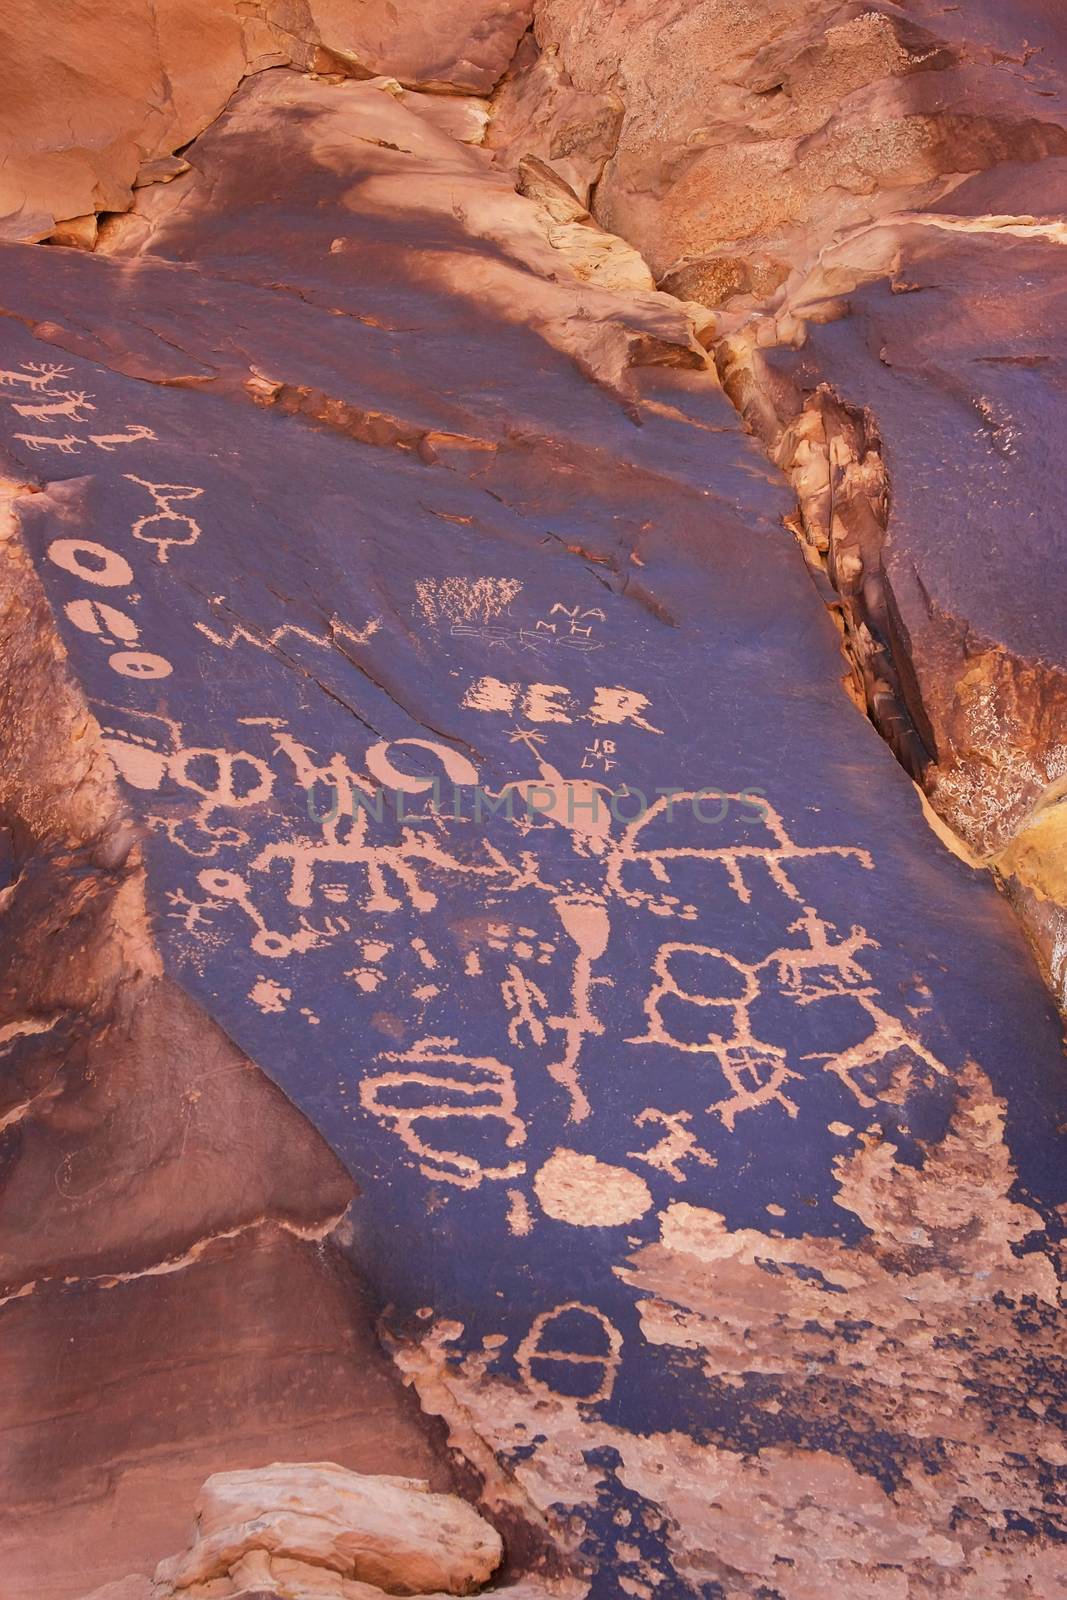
{"x":387,"y":1532}
{"x":91,"y":111}
{"x":301,"y":1531}
{"x":498,"y":528}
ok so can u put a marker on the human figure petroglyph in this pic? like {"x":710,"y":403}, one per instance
{"x":69,"y":403}
{"x":163,"y":496}
{"x":824,"y":968}
{"x":135,"y":433}
{"x":677,"y":1144}
{"x":537,"y":1348}
{"x":827,"y":968}
{"x":36,"y":375}
{"x":67,"y":445}
{"x":526,"y":1000}
{"x":406,"y":873}
{"x":834,"y":962}
{"x":457,"y":1087}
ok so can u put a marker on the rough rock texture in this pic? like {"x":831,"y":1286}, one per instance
{"x":773,"y":159}
{"x":389,"y":1533}
{"x":416,"y":697}
{"x":89,"y":109}
{"x":168,"y":1301}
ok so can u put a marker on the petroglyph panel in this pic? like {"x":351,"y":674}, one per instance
{"x":591,"y":940}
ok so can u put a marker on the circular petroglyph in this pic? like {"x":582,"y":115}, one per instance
{"x":589,"y":1193}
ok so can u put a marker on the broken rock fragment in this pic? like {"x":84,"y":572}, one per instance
{"x":388,"y":1532}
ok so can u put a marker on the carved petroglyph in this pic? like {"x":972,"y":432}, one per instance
{"x":433,"y":1084}
{"x":69,"y":403}
{"x":464,"y":600}
{"x":106,"y":622}
{"x":678,"y":1143}
{"x":94,"y":563}
{"x":528,"y":1005}
{"x":541,"y":1360}
{"x":242,"y":633}
{"x":754,"y":1070}
{"x":586,"y":922}
{"x":36,"y":375}
{"x":136,"y":433}
{"x":701,"y":1000}
{"x":824,"y":968}
{"x":554,"y":702}
{"x":67,"y":444}
{"x":773,"y":852}
{"x":345,"y":843}
{"x":589,"y":1193}
{"x":164,"y":517}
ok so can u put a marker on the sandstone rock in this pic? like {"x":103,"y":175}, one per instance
{"x":88,"y":111}
{"x":752,"y":126}
{"x":537,"y":111}
{"x":169,"y":1303}
{"x":443,"y":720}
{"x":388,"y":1532}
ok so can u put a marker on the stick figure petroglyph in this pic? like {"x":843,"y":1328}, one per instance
{"x":678,"y":1143}
{"x":527,"y":1001}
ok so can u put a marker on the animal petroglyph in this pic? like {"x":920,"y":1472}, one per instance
{"x":135,"y":433}
{"x":36,"y":375}
{"x":824,"y":968}
{"x":67,"y":444}
{"x":69,"y":403}
{"x":345,"y":843}
{"x":773,"y":853}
